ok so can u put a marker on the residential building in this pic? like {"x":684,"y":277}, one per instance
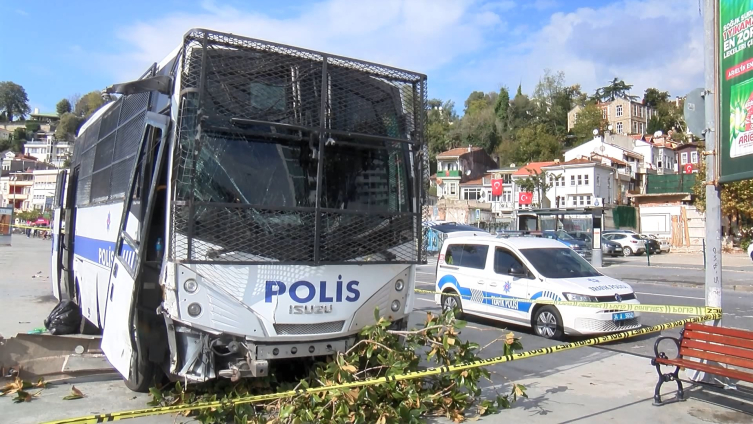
{"x":689,"y":153}
{"x":16,"y":162}
{"x":523,"y":173}
{"x":460,"y":165}
{"x":658,"y":152}
{"x":44,"y":118}
{"x":582,"y":183}
{"x":16,"y":190}
{"x":47,"y":149}
{"x":5,"y":134}
{"x":626,"y":116}
{"x":43,"y":188}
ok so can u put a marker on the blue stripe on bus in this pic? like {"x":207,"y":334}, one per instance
{"x":102,"y":252}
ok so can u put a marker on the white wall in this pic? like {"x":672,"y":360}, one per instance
{"x":604,"y":186}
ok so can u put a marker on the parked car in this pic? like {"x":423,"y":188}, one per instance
{"x":578,"y":246}
{"x":488,"y":277}
{"x":664,"y":243}
{"x":611,"y":248}
{"x":654,"y":247}
{"x":750,"y":251}
{"x":632,"y":244}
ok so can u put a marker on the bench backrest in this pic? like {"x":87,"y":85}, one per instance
{"x":723,"y":345}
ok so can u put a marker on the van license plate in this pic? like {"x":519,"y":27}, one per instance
{"x":622,"y":316}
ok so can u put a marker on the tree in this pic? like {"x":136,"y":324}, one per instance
{"x":479,"y":101}
{"x":737,"y":198}
{"x":589,"y":118}
{"x":478,"y":129}
{"x":521,"y":111}
{"x":88,"y":104}
{"x":18,"y":139}
{"x":616,"y":88}
{"x":63,"y":107}
{"x":440,"y":117}
{"x":536,"y":183}
{"x":13,"y":100}
{"x":68,"y":126}
{"x":502,"y":105}
{"x":653,"y":97}
{"x":67,"y":164}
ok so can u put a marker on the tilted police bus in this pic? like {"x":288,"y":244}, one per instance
{"x":242,"y":202}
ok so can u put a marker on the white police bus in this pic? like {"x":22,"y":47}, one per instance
{"x":242,"y":202}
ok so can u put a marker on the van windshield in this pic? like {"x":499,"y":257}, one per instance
{"x":559,"y":262}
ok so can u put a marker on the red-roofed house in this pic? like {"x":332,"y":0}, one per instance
{"x":522,"y":173}
{"x":458,"y":166}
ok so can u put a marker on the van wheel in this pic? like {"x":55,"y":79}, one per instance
{"x":547,"y":323}
{"x":451,"y":300}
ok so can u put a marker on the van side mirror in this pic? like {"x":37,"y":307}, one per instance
{"x":517,"y":271}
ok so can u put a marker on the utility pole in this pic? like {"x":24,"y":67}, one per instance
{"x":713,"y":251}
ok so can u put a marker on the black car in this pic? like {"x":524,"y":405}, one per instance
{"x":653,"y":245}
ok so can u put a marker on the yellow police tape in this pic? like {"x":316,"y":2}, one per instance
{"x":117,"y":416}
{"x":32,"y":228}
{"x":661,"y":309}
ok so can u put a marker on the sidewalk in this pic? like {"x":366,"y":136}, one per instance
{"x":615,"y":387}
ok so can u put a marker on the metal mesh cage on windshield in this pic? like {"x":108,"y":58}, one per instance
{"x":287,"y":155}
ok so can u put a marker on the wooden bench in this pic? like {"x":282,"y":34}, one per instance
{"x":724,"y":346}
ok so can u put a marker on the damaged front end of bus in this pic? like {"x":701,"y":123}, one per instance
{"x":296,"y":203}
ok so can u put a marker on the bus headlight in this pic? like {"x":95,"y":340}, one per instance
{"x":194,"y":309}
{"x":395,"y":305}
{"x":191,"y":285}
{"x":399,"y":285}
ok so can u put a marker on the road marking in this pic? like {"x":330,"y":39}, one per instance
{"x":671,"y":295}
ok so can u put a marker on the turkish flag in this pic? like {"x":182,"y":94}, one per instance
{"x":688,"y":168}
{"x":525,"y":198}
{"x":497,"y":187}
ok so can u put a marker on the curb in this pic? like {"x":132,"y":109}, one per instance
{"x":736,"y":287}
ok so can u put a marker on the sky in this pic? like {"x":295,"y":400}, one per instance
{"x":57,"y":49}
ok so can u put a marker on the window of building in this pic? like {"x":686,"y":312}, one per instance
{"x":572,"y":180}
{"x":585,"y":179}
{"x":453,"y":188}
{"x":604,"y":113}
{"x":574,"y":200}
{"x":588,"y":200}
{"x":471,"y":194}
{"x":693,"y":157}
{"x":580,"y":180}
{"x":580,"y":200}
{"x":598,"y":181}
{"x":619,"y":127}
{"x":618,"y":111}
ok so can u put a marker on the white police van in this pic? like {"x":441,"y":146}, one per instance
{"x":490,"y":275}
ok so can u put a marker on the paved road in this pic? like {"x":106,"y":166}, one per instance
{"x":572,"y":386}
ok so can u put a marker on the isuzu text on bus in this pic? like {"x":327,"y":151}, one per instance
{"x":243,"y":202}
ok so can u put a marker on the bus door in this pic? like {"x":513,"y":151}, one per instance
{"x":120,"y":338}
{"x":58,"y":217}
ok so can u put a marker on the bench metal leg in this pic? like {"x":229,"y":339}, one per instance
{"x":673,"y":376}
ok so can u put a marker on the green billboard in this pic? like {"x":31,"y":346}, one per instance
{"x":735,"y":90}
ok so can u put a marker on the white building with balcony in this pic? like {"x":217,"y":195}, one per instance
{"x":582,"y":183}
{"x":47,"y":149}
{"x":43,"y":188}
